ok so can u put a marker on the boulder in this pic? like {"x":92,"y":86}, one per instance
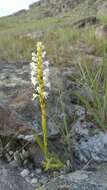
{"x":11,"y":123}
{"x":91,"y":20}
{"x":19,"y":114}
{"x":92,"y":149}
{"x":21,"y":12}
{"x":60,"y":6}
{"x":16,"y":91}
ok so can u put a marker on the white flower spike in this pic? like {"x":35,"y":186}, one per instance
{"x":35,"y":71}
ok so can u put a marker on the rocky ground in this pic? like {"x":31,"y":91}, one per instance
{"x":80,"y":180}
{"x":19,"y":118}
{"x":10,"y":178}
{"x":82,"y":146}
{"x":87,"y":148}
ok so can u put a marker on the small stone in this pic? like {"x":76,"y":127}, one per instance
{"x":29,"y":138}
{"x":25,"y":173}
{"x":38,"y":171}
{"x":28,"y":179}
{"x":62,"y":172}
{"x":34,"y":181}
{"x":32,"y":175}
{"x":20,"y":137}
{"x":43,"y":180}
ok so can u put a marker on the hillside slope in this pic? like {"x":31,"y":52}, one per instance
{"x":49,"y":21}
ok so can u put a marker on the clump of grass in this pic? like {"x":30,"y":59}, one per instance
{"x":64,"y":130}
{"x":95,"y":81}
{"x":15,"y":45}
{"x":61,"y":42}
{"x":90,"y":39}
{"x":15,"y":48}
{"x":103,"y":19}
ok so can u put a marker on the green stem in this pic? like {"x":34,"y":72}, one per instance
{"x":42,"y":99}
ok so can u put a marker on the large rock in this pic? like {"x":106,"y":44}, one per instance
{"x":54,"y":7}
{"x":16,"y":91}
{"x":80,"y":180}
{"x":19,"y":114}
{"x":57,"y":7}
{"x":93,"y":149}
{"x":90,"y":20}
{"x":11,"y":123}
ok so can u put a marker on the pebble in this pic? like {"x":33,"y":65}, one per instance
{"x":32,"y":175}
{"x":25,"y":173}
{"x":34,"y":181}
{"x":43,"y":180}
{"x":28,"y":179}
{"x":29,"y":138}
{"x":38,"y":171}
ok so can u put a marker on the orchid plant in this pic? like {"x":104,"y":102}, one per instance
{"x":41,"y":84}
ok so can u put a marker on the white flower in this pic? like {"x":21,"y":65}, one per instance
{"x":32,"y":73}
{"x":34,"y":80}
{"x":45,"y":79}
{"x":46,"y":63}
{"x":48,"y":85}
{"x":32,"y":65}
{"x":39,"y":44}
{"x":46,"y":72}
{"x":33,"y":54}
{"x":45,"y":95}
{"x":38,"y":89}
{"x":34,"y":59}
{"x":34,"y":96}
{"x":35,"y":72}
{"x":44,"y":54}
